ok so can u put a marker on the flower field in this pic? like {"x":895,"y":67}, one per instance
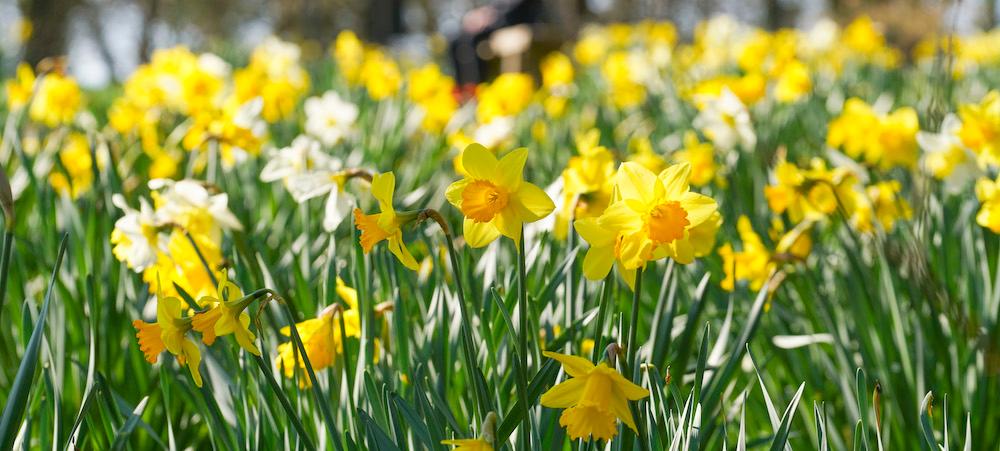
{"x":748,"y":240}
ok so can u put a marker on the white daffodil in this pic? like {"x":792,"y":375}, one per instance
{"x":491,"y":134}
{"x":181,"y":201}
{"x":946,"y":158}
{"x":725,"y":120}
{"x":329,"y":118}
{"x":307,"y":172}
{"x":136,"y":236}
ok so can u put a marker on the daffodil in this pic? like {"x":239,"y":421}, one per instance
{"x":329,"y":118}
{"x":595,"y":397}
{"x":226,"y":315}
{"x":20,"y":88}
{"x":654,"y":214}
{"x":724,"y":119}
{"x":980,"y":130}
{"x":169,"y":332}
{"x":946,"y":157}
{"x":308,"y":172}
{"x":701,"y":157}
{"x":56,"y":101}
{"x":76,"y":159}
{"x":321,"y":336}
{"x":137,"y":236}
{"x":988,"y":192}
{"x":755,"y":262}
{"x":494,"y":198}
{"x":586,"y":182}
{"x":385,"y":226}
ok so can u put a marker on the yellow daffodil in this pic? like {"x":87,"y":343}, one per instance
{"x":56,"y":101}
{"x":226,"y":316}
{"x":79,"y":173}
{"x":494,"y":198}
{"x":20,"y":88}
{"x":349,"y":53}
{"x":882,"y":203}
{"x":755,"y":262}
{"x":506,"y":96}
{"x":169,"y":332}
{"x":988,"y":192}
{"x":701,"y":157}
{"x":594,"y":398}
{"x":387,"y":224}
{"x":980,"y":129}
{"x":321,"y":336}
{"x":812,"y":193}
{"x":881,"y":140}
{"x":587,"y":182}
{"x":654,"y":214}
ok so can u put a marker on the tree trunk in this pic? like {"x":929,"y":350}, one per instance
{"x":50,"y":22}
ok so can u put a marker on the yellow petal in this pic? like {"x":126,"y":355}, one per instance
{"x":634,"y":181}
{"x":480,"y":163}
{"x":479,"y":234}
{"x":534,"y":201}
{"x":383,"y":186}
{"x":630,"y":390}
{"x":619,"y":407}
{"x":698,"y":207}
{"x":598,"y":261}
{"x":510,"y":169}
{"x":509,"y":224}
{"x":566,"y":394}
{"x":675,"y":180}
{"x":593,"y":233}
{"x":683,"y":251}
{"x":454,"y":192}
{"x":574,"y":366}
{"x":620,"y":217}
{"x":192,"y":356}
{"x":399,"y":249}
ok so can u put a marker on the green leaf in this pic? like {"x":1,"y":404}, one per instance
{"x":14,"y":409}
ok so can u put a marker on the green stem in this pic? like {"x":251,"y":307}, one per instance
{"x":522,"y":313}
{"x":631,"y":366}
{"x":8,"y":244}
{"x":466,"y":328}
{"x":482,"y":399}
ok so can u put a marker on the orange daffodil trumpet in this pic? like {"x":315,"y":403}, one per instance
{"x":594,"y":398}
{"x":169,"y":333}
{"x":387,"y":225}
{"x":653,"y":216}
{"x":227,"y":316}
{"x":494,"y":198}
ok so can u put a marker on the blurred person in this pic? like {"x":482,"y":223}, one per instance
{"x":479,"y":24}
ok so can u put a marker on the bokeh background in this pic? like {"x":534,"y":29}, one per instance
{"x":105,"y":40}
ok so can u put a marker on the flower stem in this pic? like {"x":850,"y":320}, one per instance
{"x":522,"y":313}
{"x":8,"y":245}
{"x":475,"y":375}
{"x":631,"y":365}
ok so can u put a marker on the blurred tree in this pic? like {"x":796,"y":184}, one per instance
{"x":49,"y":20}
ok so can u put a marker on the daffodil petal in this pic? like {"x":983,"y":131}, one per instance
{"x":598,"y":261}
{"x":510,"y":169}
{"x":634,"y":181}
{"x":383,"y":186}
{"x":565,"y":394}
{"x":535,"y":201}
{"x":398,"y":249}
{"x":574,"y":366}
{"x":478,"y":162}
{"x":675,"y":180}
{"x":479,"y":234}
{"x":454,"y":192}
{"x":698,"y":207}
{"x":593,"y":233}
